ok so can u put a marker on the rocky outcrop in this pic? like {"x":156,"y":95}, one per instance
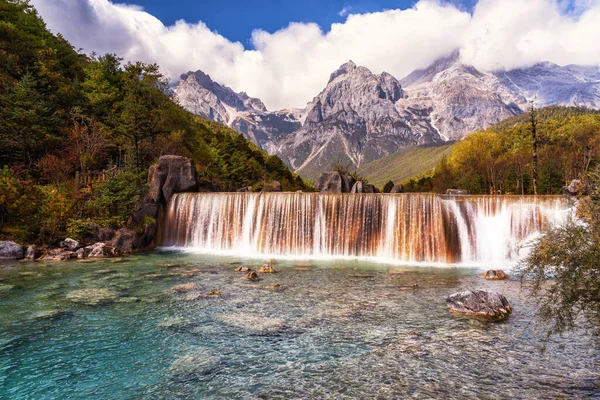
{"x":574,"y":188}
{"x":69,"y":244}
{"x":59,"y":255}
{"x":360,"y":187}
{"x":10,"y":250}
{"x":479,"y":304}
{"x":124,"y":241}
{"x":172,"y":174}
{"x":397,"y":189}
{"x":99,"y":250}
{"x":335,"y":182}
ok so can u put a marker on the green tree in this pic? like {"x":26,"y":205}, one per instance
{"x":563,"y":270}
{"x":141,"y":110}
{"x":28,"y":124}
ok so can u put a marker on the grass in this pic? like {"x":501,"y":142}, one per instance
{"x":405,"y":164}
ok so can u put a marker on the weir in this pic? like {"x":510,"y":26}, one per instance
{"x":411,"y":228}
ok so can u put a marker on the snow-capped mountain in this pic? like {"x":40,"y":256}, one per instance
{"x":361,"y":116}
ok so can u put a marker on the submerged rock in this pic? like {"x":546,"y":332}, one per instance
{"x":6,"y":288}
{"x":92,"y":297}
{"x":214,"y":293}
{"x":50,"y":314}
{"x":175,"y":323}
{"x":10,"y":250}
{"x":480,"y":304}
{"x":194,"y":365}
{"x":243,"y":269}
{"x":253,"y":323}
{"x":494,"y":275}
{"x":186,"y":287}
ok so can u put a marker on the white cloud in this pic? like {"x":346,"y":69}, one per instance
{"x":288,"y":67}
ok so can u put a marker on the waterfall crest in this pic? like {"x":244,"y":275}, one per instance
{"x":411,"y":228}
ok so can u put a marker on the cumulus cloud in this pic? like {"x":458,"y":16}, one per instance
{"x":345,"y":10}
{"x":288,"y":67}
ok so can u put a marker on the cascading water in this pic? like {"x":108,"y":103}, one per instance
{"x":410,"y":228}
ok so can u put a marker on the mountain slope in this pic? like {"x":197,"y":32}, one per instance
{"x":405,"y":164}
{"x":360,"y":116}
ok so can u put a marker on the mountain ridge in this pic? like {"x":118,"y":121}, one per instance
{"x":360,"y":116}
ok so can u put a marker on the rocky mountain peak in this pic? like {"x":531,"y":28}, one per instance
{"x":344,"y":69}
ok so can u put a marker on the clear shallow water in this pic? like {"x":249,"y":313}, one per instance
{"x":338,"y":329}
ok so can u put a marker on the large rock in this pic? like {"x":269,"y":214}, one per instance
{"x":69,"y":244}
{"x":173,"y":174}
{"x":98,"y":250}
{"x":574,"y":188}
{"x":10,"y":250}
{"x":273,"y":186}
{"x":30,"y":253}
{"x":59,"y":255}
{"x":480,"y":304}
{"x":334,"y":182}
{"x":360,"y":187}
{"x":123,"y":242}
{"x":397,"y":189}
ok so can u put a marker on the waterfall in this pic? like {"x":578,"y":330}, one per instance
{"x":403,"y":228}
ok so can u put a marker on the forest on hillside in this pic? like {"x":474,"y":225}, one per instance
{"x":67,"y":118}
{"x":499,"y":160}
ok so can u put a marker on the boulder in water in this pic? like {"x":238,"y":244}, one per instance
{"x":92,"y":297}
{"x":214,"y":293}
{"x":245,"y":189}
{"x":100,"y":250}
{"x":360,"y":187}
{"x":494,"y":275}
{"x":252,"y":276}
{"x":10,"y":250}
{"x":243,"y":269}
{"x":479,"y":304}
{"x":30,"y":253}
{"x":267,"y":269}
{"x":186,"y":287}
{"x":258,"y":324}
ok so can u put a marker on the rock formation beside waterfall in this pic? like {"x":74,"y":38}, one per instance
{"x":361,"y":116}
{"x":335,"y":182}
{"x":173,"y":174}
{"x":479,"y":304}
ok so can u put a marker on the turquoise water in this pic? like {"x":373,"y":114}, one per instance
{"x":330,"y":330}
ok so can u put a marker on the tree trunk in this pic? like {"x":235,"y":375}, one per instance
{"x":535,"y":143}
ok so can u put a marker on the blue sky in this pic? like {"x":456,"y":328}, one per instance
{"x":285,"y":64}
{"x":236,"y":19}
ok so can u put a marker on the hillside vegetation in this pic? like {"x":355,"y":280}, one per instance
{"x":64,"y":115}
{"x":499,"y":159}
{"x":405,"y":164}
